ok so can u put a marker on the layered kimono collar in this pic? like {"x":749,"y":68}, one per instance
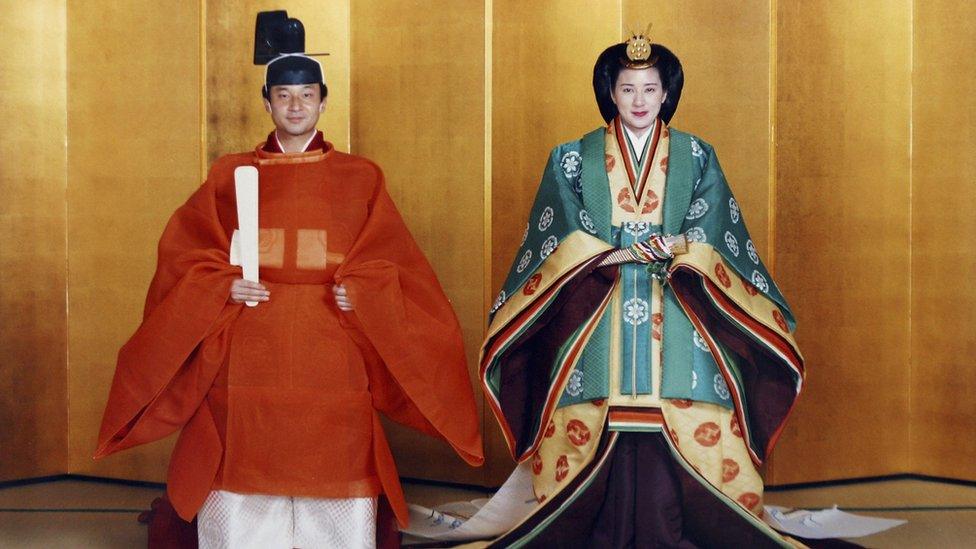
{"x":639,"y":144}
{"x":270,"y":151}
{"x":636,"y":162}
{"x":272,"y":145}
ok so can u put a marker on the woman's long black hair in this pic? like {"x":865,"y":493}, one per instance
{"x":612,"y":61}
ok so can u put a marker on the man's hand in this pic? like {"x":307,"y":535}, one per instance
{"x":245,"y":290}
{"x":342,"y":299}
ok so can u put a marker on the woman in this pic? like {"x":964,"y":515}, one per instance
{"x":644,"y":376}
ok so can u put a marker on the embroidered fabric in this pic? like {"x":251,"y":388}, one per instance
{"x":230,"y":520}
{"x":656,"y":248}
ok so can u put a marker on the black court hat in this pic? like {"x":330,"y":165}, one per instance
{"x":279,"y":44}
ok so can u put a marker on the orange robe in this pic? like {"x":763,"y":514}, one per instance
{"x":283,"y":398}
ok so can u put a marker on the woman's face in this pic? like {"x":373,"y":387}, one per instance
{"x":638,"y":96}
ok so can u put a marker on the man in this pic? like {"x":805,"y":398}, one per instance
{"x":281,"y":444}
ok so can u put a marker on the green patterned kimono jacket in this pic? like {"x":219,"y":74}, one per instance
{"x":572,"y":342}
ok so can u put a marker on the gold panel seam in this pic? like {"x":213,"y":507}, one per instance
{"x":769,"y":470}
{"x":620,"y":18}
{"x":486,"y":285}
{"x":486,"y":240}
{"x":349,"y":98}
{"x":911,"y":239}
{"x":203,"y":90}
{"x":67,"y":323}
{"x":771,"y":196}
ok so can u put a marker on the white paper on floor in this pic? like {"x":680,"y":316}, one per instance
{"x":826,"y":523}
{"x":480,"y":518}
{"x":488,"y":518}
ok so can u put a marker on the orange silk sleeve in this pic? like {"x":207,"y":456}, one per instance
{"x":401,"y":310}
{"x":163,"y":372}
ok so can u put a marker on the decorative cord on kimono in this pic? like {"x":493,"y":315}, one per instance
{"x":656,"y":249}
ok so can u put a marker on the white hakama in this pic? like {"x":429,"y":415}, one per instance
{"x":230,"y":520}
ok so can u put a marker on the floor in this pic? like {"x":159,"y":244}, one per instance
{"x":91,"y":514}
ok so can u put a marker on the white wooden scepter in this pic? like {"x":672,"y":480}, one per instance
{"x":246,"y":183}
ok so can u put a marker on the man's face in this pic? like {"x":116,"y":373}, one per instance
{"x":295,"y":109}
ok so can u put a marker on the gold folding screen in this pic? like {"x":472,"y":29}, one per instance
{"x":843,"y":113}
{"x":33,"y":385}
{"x":943,"y":338}
{"x":133,"y":137}
{"x":843,"y":129}
{"x":418,"y":111}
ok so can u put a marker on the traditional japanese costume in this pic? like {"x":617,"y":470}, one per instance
{"x":643,"y":394}
{"x":284,"y":398}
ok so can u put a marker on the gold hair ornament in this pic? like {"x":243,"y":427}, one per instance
{"x":639,"y":50}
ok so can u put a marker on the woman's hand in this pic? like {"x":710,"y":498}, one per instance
{"x":245,"y":290}
{"x":342,"y":298}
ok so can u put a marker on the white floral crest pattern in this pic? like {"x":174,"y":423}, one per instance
{"x":731,"y":243}
{"x":525,"y":235}
{"x":524,"y":262}
{"x":636,"y":311}
{"x":545,"y":220}
{"x":751,"y":249}
{"x":587,"y":222}
{"x":695,"y":234}
{"x":721,"y":388}
{"x":699,"y":341}
{"x":697,"y":183}
{"x":548,"y":247}
{"x":571,"y":164}
{"x":696,"y":149}
{"x":636,"y":228}
{"x":439,"y":518}
{"x":694,"y":379}
{"x":734,"y":212}
{"x":574,"y":386}
{"x":697,"y":209}
{"x":499,"y":301}
{"x":759,"y":281}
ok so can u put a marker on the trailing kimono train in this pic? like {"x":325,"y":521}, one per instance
{"x":284,"y":398}
{"x":640,"y":381}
